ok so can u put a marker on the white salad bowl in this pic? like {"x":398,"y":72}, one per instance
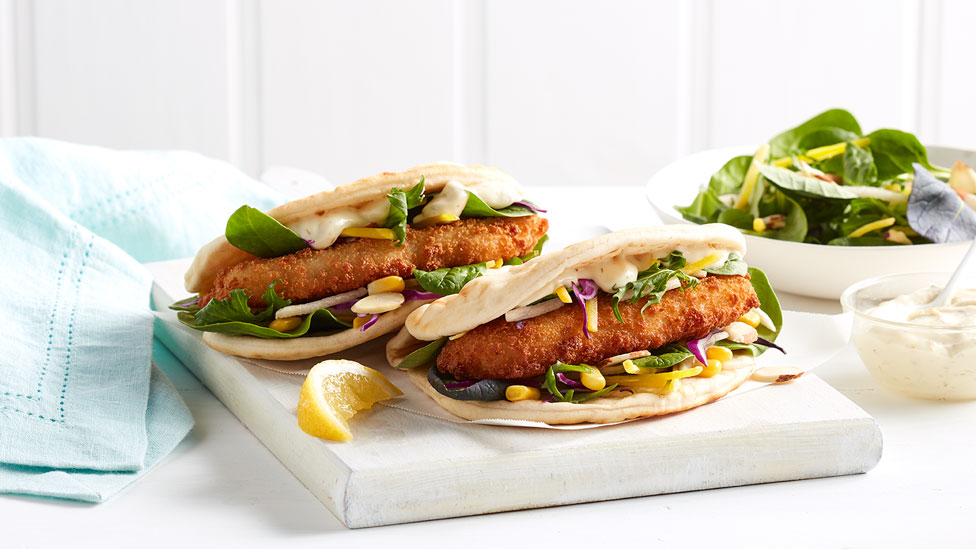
{"x":814,"y":270}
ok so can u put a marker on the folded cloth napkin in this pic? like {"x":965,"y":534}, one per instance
{"x":82,"y":410}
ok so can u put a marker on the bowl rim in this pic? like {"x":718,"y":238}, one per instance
{"x":669,"y":213}
{"x":847,"y":298}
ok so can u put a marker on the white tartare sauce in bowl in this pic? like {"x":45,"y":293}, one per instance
{"x":925,"y":353}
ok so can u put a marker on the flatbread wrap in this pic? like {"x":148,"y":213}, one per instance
{"x":636,"y":323}
{"x":330,"y":271}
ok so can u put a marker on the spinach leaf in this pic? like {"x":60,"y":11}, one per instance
{"x":235,"y":309}
{"x":190,"y":304}
{"x":674,"y":260}
{"x":895,"y":151}
{"x":651,"y":285}
{"x":534,"y":253}
{"x":768,"y":302}
{"x":449,"y":280}
{"x":796,"y":219}
{"x":703,"y":209}
{"x":232,"y":316}
{"x":476,"y":207}
{"x":859,"y":168}
{"x":801,"y":185}
{"x":737,"y":218}
{"x":485,"y":389}
{"x":936,"y":212}
{"x":551,"y":384}
{"x":825,"y":136}
{"x":729,"y":178}
{"x":400,"y":204}
{"x":669,"y":356}
{"x":257,"y":233}
{"x":422,"y":356}
{"x":788,"y":142}
{"x":734,"y":265}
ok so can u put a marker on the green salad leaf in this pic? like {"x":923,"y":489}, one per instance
{"x":788,"y":142}
{"x":257,"y":233}
{"x":801,"y":185}
{"x":664,"y":357}
{"x":818,"y":210}
{"x":233,"y":316}
{"x":449,"y":280}
{"x":422,"y":356}
{"x":734,"y":265}
{"x":476,"y":207}
{"x":483,"y":389}
{"x":769,"y":304}
{"x":551,"y":384}
{"x":936,"y":212}
{"x":859,"y":167}
{"x":650,"y":285}
{"x":401,"y":202}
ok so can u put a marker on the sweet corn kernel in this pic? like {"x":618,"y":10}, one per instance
{"x":719,"y":353}
{"x":758,"y":225}
{"x":360,"y":320}
{"x":563,"y":295}
{"x":456,"y":336}
{"x":285,"y":324}
{"x":515,"y":393}
{"x":439,"y":219}
{"x":713,"y":367}
{"x":751,"y":318}
{"x":386,"y":284}
{"x":630,"y":367}
{"x":496,"y":264}
{"x":369,"y":232}
{"x":593,"y":380}
{"x":592,"y":321}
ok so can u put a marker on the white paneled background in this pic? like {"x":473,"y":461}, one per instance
{"x":552,"y":91}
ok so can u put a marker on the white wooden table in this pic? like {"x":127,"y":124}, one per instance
{"x":221,"y":486}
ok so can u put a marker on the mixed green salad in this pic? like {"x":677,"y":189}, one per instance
{"x":827,"y":182}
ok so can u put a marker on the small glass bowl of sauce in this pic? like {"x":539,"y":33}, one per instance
{"x":928,"y":354}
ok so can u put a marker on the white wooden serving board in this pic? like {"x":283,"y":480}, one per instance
{"x":404,"y":467}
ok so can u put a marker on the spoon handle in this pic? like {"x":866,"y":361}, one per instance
{"x":950,"y":288}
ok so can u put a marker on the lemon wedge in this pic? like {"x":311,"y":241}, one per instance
{"x":334,"y":391}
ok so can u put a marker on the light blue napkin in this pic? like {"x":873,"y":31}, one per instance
{"x":82,"y":413}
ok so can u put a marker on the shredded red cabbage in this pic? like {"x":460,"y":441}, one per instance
{"x":768,"y":343}
{"x":569,"y":382}
{"x":346,"y":305}
{"x":582,"y":303}
{"x":587,"y":288}
{"x":529,"y":205}
{"x":531,"y":383}
{"x":460,"y":384}
{"x":520,"y":324}
{"x":698,"y":346}
{"x":410,"y":295}
{"x":309,"y":242}
{"x":628,"y":389}
{"x":370,"y":322}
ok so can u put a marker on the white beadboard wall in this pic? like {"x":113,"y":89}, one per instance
{"x":553,"y":91}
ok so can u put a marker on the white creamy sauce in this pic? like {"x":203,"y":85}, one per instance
{"x":454,"y":196}
{"x":929,"y":362}
{"x":324,"y":229}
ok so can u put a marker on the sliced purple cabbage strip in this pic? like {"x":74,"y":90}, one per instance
{"x":370,"y":322}
{"x":587,"y":288}
{"x":411,"y":295}
{"x":582,"y":303}
{"x":460,"y":384}
{"x":520,"y":324}
{"x":532,"y":207}
{"x":569,"y":382}
{"x":700,"y":345}
{"x":768,"y":343}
